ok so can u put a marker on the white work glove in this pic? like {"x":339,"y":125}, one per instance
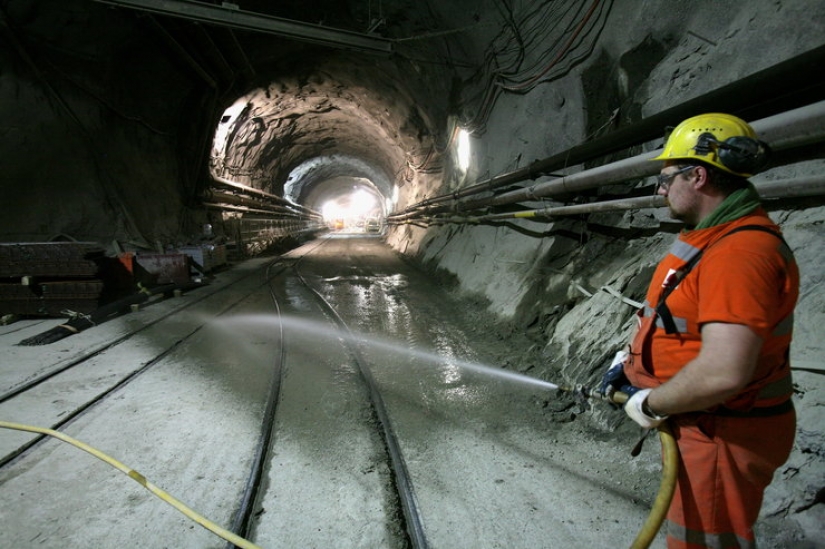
{"x":635,"y":408}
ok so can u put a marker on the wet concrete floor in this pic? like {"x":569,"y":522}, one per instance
{"x":488,"y":466}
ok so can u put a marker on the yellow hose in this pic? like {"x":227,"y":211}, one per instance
{"x":670,"y":470}
{"x":140,"y":479}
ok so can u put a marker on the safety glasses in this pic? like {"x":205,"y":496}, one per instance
{"x":665,"y":180}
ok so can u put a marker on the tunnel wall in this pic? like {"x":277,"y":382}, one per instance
{"x":98,"y":137}
{"x":545,"y":279}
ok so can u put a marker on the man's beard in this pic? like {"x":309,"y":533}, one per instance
{"x":684,"y":217}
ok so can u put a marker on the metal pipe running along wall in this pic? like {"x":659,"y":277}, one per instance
{"x":791,"y":129}
{"x":788,"y":83}
{"x":785,"y":188}
{"x":303,"y":210}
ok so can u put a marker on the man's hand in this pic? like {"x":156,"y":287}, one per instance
{"x":614,"y":379}
{"x":639,"y":411}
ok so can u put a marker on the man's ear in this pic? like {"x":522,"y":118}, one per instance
{"x":701,"y":178}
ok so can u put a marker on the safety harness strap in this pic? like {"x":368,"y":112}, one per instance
{"x":662,"y":309}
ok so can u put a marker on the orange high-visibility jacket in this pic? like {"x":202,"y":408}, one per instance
{"x":746,"y":277}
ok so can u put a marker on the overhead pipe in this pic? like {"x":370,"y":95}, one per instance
{"x":792,"y":188}
{"x":221,"y":197}
{"x":229,"y":15}
{"x":258,"y":192}
{"x":553,"y":211}
{"x":629,"y":168}
{"x":784,"y":188}
{"x":794,"y":128}
{"x":245,"y":209}
{"x":791,"y":129}
{"x":763,"y":93}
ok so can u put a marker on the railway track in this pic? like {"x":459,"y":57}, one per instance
{"x":400,"y":483}
{"x":401,"y":480}
{"x":403,"y":505}
{"x":66,"y":370}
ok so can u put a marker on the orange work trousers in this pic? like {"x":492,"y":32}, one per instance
{"x":725,"y":465}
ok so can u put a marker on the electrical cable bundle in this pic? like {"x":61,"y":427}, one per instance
{"x":519,"y":57}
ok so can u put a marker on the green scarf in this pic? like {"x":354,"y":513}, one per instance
{"x":737,"y":204}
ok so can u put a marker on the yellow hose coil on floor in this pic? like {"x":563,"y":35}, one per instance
{"x":140,"y":479}
{"x":670,"y":471}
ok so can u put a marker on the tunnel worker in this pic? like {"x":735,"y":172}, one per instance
{"x":711,"y":348}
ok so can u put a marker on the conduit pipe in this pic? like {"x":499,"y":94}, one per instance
{"x":813,"y":185}
{"x":616,"y":172}
{"x":258,"y":192}
{"x":783,"y":188}
{"x":244,"y":209}
{"x":760,"y":90}
{"x":221,"y":197}
{"x":795,"y":128}
{"x":791,"y":129}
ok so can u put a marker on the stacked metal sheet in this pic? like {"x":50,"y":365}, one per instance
{"x":47,"y":278}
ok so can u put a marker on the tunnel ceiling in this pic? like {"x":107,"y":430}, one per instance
{"x":299,"y":114}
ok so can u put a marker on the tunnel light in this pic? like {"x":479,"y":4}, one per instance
{"x":222,"y":131}
{"x":463,"y":150}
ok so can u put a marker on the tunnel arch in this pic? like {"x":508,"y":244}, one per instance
{"x":311,"y":182}
{"x":324,"y":122}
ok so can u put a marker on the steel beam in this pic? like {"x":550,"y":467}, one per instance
{"x":228,"y":15}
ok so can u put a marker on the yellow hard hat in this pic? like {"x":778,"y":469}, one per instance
{"x":721,"y":140}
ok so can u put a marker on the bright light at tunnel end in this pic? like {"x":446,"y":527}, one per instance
{"x":332,"y":210}
{"x":348,"y":210}
{"x":362,"y":202}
